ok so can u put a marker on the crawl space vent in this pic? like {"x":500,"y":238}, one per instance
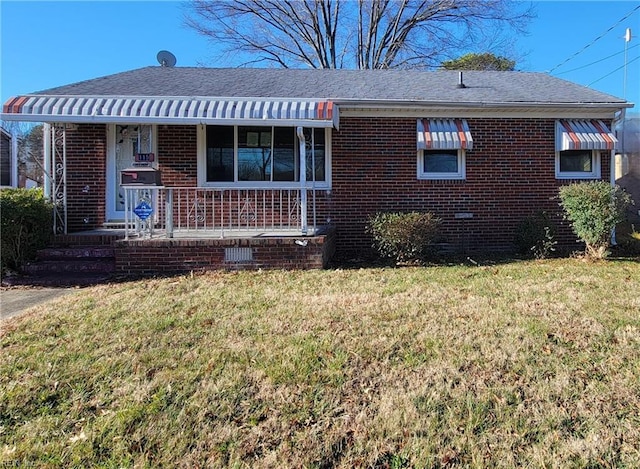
{"x":238,"y":254}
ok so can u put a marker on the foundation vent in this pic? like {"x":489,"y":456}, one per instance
{"x":238,"y":255}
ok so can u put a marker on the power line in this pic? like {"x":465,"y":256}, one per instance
{"x":613,"y":71}
{"x":597,"y":61}
{"x":596,"y":39}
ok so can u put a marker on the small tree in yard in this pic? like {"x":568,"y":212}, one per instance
{"x":405,"y":237}
{"x":594,"y":209}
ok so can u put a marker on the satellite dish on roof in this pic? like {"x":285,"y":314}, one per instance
{"x":166,"y":58}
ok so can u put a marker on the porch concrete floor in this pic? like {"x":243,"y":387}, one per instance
{"x":199,"y":234}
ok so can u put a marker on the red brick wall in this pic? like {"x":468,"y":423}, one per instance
{"x":180,"y":255}
{"x":177,"y":155}
{"x":86,"y":176}
{"x":510,"y":174}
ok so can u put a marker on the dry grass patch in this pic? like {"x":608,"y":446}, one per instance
{"x":525,"y":364}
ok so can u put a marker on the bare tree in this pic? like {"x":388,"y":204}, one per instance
{"x":365,"y":34}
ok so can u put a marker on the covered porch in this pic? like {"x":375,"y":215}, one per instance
{"x":205,"y":228}
{"x":182,"y":229}
{"x":190,"y":217}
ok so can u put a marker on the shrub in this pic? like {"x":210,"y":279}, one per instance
{"x":594,"y":209}
{"x":535,"y":236}
{"x":628,"y":240}
{"x":404,"y":237}
{"x":26,"y":219}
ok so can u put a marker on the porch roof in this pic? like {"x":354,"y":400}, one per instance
{"x":172,"y":110}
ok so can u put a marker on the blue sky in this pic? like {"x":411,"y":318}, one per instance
{"x":50,"y":43}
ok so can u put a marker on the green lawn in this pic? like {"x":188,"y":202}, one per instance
{"x":523,"y":364}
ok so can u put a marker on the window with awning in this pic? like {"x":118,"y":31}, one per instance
{"x":444,"y":134}
{"x":583,"y":134}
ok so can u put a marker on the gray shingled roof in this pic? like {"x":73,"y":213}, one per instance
{"x":339,"y":85}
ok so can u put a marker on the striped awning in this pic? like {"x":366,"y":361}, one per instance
{"x":583,"y":135}
{"x":444,"y":134}
{"x":167,"y":110}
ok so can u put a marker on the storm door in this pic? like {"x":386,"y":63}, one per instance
{"x":125,"y":142}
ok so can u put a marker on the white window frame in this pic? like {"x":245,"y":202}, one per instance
{"x":202,"y":166}
{"x":461,"y":174}
{"x":595,"y":173}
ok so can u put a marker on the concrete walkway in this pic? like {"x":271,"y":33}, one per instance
{"x":14,"y":301}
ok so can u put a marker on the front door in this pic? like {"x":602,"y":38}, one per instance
{"x":125,"y":141}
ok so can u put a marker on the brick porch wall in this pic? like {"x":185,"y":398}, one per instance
{"x":86,"y":176}
{"x":184,"y":255}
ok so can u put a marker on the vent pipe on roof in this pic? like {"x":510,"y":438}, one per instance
{"x":460,"y":83}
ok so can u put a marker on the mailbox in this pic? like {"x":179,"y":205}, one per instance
{"x":140,"y":176}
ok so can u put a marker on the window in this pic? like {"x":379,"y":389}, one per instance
{"x":220,"y":151}
{"x":577,"y":164}
{"x":441,"y":164}
{"x":252,"y":154}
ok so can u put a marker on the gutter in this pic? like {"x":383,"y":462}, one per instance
{"x":355,"y":104}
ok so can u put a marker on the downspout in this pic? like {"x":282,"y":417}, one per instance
{"x":14,"y":160}
{"x":618,"y":117}
{"x":303,"y":181}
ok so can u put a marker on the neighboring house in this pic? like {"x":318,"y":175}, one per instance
{"x":280,"y":150}
{"x":627,"y":166}
{"x":8,"y":159}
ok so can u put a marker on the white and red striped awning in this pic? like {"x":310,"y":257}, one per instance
{"x":583,"y":135}
{"x":444,"y":134}
{"x":167,"y":110}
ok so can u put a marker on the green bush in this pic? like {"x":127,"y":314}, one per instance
{"x":404,"y":237}
{"x":535,"y":236}
{"x":26,"y":219}
{"x":594,"y":209}
{"x":628,"y":240}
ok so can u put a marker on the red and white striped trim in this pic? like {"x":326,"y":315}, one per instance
{"x":444,"y":134}
{"x":583,"y":134}
{"x":175,"y":110}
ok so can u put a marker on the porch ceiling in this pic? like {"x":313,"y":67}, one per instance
{"x":171,"y":110}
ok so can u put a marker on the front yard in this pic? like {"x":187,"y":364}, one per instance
{"x":532,"y":364}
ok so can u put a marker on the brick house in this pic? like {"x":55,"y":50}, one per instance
{"x":246,"y":154}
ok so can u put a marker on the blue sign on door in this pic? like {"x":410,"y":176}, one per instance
{"x":143,"y":210}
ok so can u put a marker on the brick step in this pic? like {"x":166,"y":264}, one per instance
{"x":77,"y":252}
{"x":57,"y":280}
{"x":77,"y":266}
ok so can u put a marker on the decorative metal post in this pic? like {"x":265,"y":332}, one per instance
{"x":59,"y":177}
{"x":303,"y":182}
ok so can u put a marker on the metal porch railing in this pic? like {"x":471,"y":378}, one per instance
{"x":219,"y":212}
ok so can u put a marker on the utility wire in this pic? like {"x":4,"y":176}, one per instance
{"x":596,"y":39}
{"x":613,"y":71}
{"x":597,"y":61}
